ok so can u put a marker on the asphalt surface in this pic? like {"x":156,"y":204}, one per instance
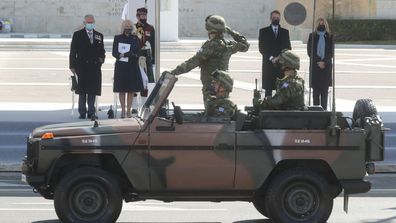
{"x":34,"y":86}
{"x":18,"y":204}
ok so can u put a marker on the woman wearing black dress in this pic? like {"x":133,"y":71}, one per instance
{"x":320,"y":49}
{"x":127,"y":77}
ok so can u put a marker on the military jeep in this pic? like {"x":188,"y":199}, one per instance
{"x":289,"y":164}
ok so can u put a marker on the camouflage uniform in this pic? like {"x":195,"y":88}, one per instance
{"x":220,"y":106}
{"x":214,"y":54}
{"x":289,"y":94}
{"x":289,"y":90}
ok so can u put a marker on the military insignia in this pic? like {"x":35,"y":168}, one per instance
{"x":97,"y":37}
{"x":285,"y":85}
{"x":221,"y":109}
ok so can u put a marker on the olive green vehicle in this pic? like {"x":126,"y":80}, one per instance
{"x":289,"y":164}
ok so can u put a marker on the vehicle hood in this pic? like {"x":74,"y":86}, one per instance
{"x":110,"y":126}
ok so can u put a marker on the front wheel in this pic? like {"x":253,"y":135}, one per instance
{"x":299,"y":196}
{"x":88,"y":195}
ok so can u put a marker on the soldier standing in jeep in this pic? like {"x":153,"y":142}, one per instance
{"x":214,"y":53}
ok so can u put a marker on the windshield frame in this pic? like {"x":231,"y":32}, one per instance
{"x":157,"y":97}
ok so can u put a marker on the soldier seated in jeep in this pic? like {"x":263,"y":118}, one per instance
{"x":290,"y":89}
{"x":218,"y":102}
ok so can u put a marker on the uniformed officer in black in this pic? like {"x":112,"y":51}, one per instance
{"x":146,"y":34}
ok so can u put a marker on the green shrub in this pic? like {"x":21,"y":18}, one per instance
{"x":363,"y":30}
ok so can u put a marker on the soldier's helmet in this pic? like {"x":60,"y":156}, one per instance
{"x":289,"y":59}
{"x":215,"y":23}
{"x":224,"y":79}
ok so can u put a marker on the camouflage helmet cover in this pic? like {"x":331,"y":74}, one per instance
{"x":215,"y":23}
{"x":289,"y":59}
{"x":224,"y":79}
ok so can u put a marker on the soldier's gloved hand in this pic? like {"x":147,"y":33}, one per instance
{"x":166,"y":72}
{"x":256,"y":102}
{"x":228,"y":30}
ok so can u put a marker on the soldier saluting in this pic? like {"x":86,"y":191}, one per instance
{"x":215,"y":53}
{"x":146,"y":34}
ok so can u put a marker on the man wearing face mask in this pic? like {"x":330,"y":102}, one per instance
{"x":214,"y":54}
{"x":320,"y":49}
{"x":87,"y":54}
{"x":146,"y":34}
{"x":272,"y":40}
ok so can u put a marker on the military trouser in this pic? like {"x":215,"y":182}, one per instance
{"x":150,"y":72}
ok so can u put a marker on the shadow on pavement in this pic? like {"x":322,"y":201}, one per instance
{"x":386,"y":220}
{"x":47,"y":221}
{"x":255,"y":221}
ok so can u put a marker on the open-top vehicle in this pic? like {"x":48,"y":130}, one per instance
{"x":289,"y":164}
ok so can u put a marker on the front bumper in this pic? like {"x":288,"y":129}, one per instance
{"x":28,"y":175}
{"x":355,"y":186}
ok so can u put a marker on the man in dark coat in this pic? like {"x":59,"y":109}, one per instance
{"x":87,"y":54}
{"x":272,"y":40}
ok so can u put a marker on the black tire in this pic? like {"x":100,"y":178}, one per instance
{"x":363,"y":108}
{"x":88,"y":195}
{"x":259,"y":204}
{"x":298,"y":195}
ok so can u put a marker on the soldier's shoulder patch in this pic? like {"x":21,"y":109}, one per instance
{"x":285,"y":85}
{"x":221,"y":109}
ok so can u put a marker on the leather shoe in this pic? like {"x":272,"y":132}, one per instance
{"x":93,"y":117}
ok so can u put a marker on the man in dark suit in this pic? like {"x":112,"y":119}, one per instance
{"x":272,"y":40}
{"x":87,"y":54}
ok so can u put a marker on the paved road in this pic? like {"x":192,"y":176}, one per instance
{"x":18,"y":204}
{"x":34,"y":87}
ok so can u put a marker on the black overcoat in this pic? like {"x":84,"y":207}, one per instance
{"x":87,"y":59}
{"x":320,"y":79}
{"x":269,"y":45}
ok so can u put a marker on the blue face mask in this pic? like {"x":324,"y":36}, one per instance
{"x":90,"y":26}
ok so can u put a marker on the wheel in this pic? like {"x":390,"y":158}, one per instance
{"x":259,"y":204}
{"x":88,"y":195}
{"x":363,"y":108}
{"x":298,"y":195}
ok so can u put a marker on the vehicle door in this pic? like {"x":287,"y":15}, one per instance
{"x":192,"y":156}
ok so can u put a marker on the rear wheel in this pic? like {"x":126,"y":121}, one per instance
{"x":363,"y":108}
{"x":299,"y":195}
{"x":88,"y":195}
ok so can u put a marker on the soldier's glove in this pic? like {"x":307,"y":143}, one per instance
{"x":235,"y":35}
{"x":166,"y":72}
